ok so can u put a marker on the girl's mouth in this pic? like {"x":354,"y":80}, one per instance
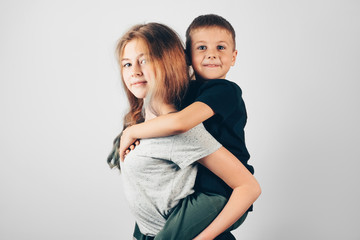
{"x":138,"y":83}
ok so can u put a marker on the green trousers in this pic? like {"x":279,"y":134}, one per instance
{"x":190,"y":217}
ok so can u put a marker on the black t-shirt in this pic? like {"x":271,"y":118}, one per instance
{"x":226,"y":126}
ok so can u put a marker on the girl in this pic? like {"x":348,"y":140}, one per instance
{"x":159,"y":174}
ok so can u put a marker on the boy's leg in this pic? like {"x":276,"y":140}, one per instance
{"x":225,"y":236}
{"x":192,"y":215}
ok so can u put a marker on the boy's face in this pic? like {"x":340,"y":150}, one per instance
{"x":212,"y":52}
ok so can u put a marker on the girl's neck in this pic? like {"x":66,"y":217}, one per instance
{"x":160,"y":110}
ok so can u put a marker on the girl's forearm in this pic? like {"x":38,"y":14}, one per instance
{"x":240,"y":200}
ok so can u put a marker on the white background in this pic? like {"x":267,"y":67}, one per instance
{"x":61,"y":105}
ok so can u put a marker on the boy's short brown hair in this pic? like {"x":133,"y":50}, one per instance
{"x":208,"y":20}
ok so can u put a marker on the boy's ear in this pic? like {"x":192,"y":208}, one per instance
{"x":234,"y":57}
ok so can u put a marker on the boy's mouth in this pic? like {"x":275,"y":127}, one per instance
{"x":211,"y":65}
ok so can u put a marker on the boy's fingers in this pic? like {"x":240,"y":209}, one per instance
{"x":123,"y":154}
{"x":132,"y":147}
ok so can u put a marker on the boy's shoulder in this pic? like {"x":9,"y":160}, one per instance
{"x":222,"y":96}
{"x":219,"y":91}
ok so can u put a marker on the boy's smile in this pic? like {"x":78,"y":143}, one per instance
{"x":212,"y":52}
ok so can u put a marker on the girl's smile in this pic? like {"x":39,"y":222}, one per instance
{"x":136,"y":68}
{"x":138,"y":83}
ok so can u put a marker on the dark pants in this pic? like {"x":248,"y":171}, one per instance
{"x":190,"y":217}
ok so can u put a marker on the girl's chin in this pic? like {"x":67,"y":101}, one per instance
{"x":139,"y":95}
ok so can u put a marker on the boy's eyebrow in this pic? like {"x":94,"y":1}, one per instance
{"x":203,"y":41}
{"x":223,"y":42}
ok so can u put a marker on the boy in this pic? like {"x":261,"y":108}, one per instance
{"x":210,"y":44}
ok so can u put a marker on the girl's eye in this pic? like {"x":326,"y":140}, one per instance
{"x":143,"y":61}
{"x":201,"y":48}
{"x":220,"y":47}
{"x":127,"y":65}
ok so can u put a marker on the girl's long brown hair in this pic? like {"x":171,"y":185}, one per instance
{"x":167,"y":55}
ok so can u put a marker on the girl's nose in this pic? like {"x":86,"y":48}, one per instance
{"x":136,"y":71}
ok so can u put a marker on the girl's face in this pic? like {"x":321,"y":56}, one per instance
{"x":137,"y":71}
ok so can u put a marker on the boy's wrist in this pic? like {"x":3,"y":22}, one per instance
{"x":132,"y":131}
{"x":129,"y":132}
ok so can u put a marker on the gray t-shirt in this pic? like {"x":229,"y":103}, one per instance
{"x":160,"y":172}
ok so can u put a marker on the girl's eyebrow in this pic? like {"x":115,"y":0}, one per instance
{"x":139,"y":56}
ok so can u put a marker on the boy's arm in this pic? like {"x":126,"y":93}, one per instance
{"x":165,"y":125}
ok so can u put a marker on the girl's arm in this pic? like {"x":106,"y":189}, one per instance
{"x":165,"y":125}
{"x":245,"y":190}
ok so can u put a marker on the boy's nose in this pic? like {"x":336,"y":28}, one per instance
{"x":211,"y":54}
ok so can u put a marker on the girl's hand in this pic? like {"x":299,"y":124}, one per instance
{"x":127,"y":143}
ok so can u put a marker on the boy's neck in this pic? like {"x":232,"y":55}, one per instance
{"x":198,"y":77}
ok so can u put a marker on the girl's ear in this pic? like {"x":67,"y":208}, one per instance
{"x":234,"y":57}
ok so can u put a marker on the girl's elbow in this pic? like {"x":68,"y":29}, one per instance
{"x":256,"y":189}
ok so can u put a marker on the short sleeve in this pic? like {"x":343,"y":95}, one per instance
{"x":193,"y":145}
{"x":154,"y":148}
{"x":222,"y":96}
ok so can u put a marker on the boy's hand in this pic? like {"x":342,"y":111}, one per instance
{"x":132,"y":147}
{"x":127,"y":143}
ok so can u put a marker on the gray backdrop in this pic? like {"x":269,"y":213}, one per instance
{"x":62,"y":104}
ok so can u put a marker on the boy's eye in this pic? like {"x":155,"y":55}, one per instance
{"x":220,"y":47}
{"x":142,"y":61}
{"x":201,"y":48}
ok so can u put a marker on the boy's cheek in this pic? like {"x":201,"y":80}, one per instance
{"x":196,"y":59}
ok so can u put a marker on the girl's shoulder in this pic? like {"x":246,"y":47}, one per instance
{"x":196,"y":136}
